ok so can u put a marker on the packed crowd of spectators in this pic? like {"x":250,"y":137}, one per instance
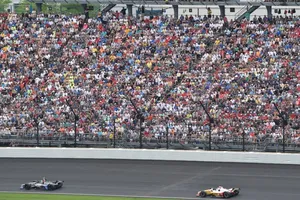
{"x":119,"y":67}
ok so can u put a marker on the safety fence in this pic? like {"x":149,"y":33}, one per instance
{"x":229,"y":144}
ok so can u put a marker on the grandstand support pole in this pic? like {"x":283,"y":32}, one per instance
{"x":85,"y":10}
{"x":75,"y":131}
{"x":38,"y":8}
{"x":114,"y":132}
{"x":211,"y":120}
{"x":141,"y":135}
{"x":167,"y":135}
{"x":222,"y":11}
{"x":243,"y":135}
{"x":284,"y":123}
{"x":76,"y":118}
{"x":243,"y":140}
{"x":37,"y":132}
{"x":176,"y":11}
{"x":140,"y":117}
{"x":129,"y":7}
{"x":209,"y":136}
{"x":269,"y":12}
{"x":283,"y":137}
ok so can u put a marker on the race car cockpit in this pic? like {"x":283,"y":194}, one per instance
{"x":43,"y":180}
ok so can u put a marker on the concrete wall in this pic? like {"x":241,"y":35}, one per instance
{"x":143,"y":154}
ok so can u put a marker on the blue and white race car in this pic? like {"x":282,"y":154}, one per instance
{"x":42,"y":184}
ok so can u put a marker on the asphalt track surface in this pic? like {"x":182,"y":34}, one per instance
{"x":154,"y":178}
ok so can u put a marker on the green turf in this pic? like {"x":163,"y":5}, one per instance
{"x":23,"y":196}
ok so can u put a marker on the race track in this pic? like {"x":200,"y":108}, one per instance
{"x":154,"y":178}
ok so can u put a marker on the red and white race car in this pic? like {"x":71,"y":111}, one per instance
{"x":219,"y":192}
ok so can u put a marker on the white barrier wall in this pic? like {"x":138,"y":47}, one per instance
{"x":143,"y":154}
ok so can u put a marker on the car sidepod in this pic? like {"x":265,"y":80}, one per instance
{"x":46,"y":187}
{"x":26,"y":186}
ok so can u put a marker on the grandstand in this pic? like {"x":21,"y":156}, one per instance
{"x":188,"y":82}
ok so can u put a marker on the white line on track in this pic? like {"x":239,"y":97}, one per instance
{"x":257,"y":175}
{"x":105,"y":195}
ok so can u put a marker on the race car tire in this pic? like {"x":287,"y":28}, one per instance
{"x":202,"y":194}
{"x":236,"y":192}
{"x":226,"y":195}
{"x":50,"y":187}
{"x":59,"y":185}
{"x":27,"y":187}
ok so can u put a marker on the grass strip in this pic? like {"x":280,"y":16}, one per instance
{"x":27,"y":196}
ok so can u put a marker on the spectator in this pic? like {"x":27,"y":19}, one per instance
{"x":162,"y":66}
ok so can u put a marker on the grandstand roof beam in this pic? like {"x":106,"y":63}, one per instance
{"x":222,"y":11}
{"x":269,"y":11}
{"x":161,"y":2}
{"x":129,"y":8}
{"x":176,"y":13}
{"x":38,"y":7}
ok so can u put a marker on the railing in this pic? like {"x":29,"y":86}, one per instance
{"x":230,"y":144}
{"x":107,"y":7}
{"x":241,"y":11}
